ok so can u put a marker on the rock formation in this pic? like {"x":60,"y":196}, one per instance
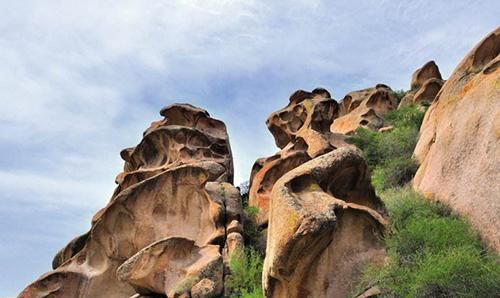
{"x":459,"y":146}
{"x":165,"y":229}
{"x":364,"y":108}
{"x":323,"y":219}
{"x":425,"y":85}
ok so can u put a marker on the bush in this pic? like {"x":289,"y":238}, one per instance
{"x":399,"y":94}
{"x":394,"y":173}
{"x":389,"y":154}
{"x":409,"y":116}
{"x":246,"y":274}
{"x":432,"y":253}
{"x":252,"y":232}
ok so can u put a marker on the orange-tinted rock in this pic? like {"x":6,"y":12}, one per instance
{"x":325,"y":225}
{"x":428,"y":92}
{"x":174,"y":266}
{"x":428,"y":71}
{"x":425,"y":85}
{"x":324,"y":222}
{"x":174,"y":198}
{"x":364,"y":108}
{"x":459,"y":147}
{"x":73,"y":247}
{"x":302,"y":131}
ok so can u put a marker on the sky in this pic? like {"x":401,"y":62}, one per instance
{"x":81,"y":80}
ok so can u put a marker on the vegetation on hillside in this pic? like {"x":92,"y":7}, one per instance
{"x":399,"y":94}
{"x":431,"y":251}
{"x":389,"y":154}
{"x":246,"y":274}
{"x":246,"y":266}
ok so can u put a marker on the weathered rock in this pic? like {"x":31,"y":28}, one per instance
{"x":168,"y":203}
{"x":407,"y":100}
{"x":325,"y":224}
{"x":234,"y":243}
{"x":73,"y":247}
{"x":459,"y":146}
{"x":364,"y":108}
{"x":428,"y":92}
{"x":371,"y":292}
{"x":425,"y":85}
{"x":174,"y":266}
{"x":386,"y":128}
{"x":429,"y":70}
{"x":302,"y":130}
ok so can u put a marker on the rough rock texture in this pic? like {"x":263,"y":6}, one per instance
{"x":364,"y":108}
{"x":425,"y":85}
{"x":459,"y":144}
{"x":302,"y":131}
{"x":187,"y":263}
{"x":325,"y":224}
{"x":164,"y":230}
{"x":428,"y":71}
{"x":323,"y":219}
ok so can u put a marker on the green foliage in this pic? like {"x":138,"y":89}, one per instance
{"x":395,"y":172}
{"x":409,"y":116}
{"x":246,"y":274}
{"x":399,"y":94}
{"x":252,"y":231}
{"x":222,"y":191}
{"x":432,"y":253}
{"x":389,"y":154}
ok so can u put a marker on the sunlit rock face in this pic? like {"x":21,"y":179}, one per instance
{"x":424,"y":87}
{"x":323,"y":219}
{"x":459,"y":146}
{"x":164,"y":230}
{"x":364,"y":108}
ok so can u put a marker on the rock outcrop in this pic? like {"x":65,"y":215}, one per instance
{"x":459,"y":146}
{"x":324,"y":221}
{"x":164,"y":230}
{"x":425,"y":85}
{"x":364,"y":108}
{"x":301,"y":130}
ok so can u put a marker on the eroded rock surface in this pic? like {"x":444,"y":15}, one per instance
{"x":164,"y":229}
{"x":364,"y":108}
{"x":425,"y":85}
{"x":459,"y":146}
{"x":302,"y":131}
{"x":324,"y":222}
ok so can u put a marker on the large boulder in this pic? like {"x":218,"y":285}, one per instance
{"x":364,"y":108}
{"x":164,"y":229}
{"x":429,"y":70}
{"x":459,"y":146}
{"x":425,"y":85}
{"x":325,"y":225}
{"x":323,"y":220}
{"x":302,"y":131}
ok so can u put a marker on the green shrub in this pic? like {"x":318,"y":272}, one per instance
{"x":394,"y":173}
{"x":389,"y":154}
{"x":246,"y":274}
{"x":432,"y":253}
{"x":399,"y":94}
{"x":409,"y":116}
{"x":252,"y":231}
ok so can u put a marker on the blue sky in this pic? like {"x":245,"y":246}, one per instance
{"x":81,"y":80}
